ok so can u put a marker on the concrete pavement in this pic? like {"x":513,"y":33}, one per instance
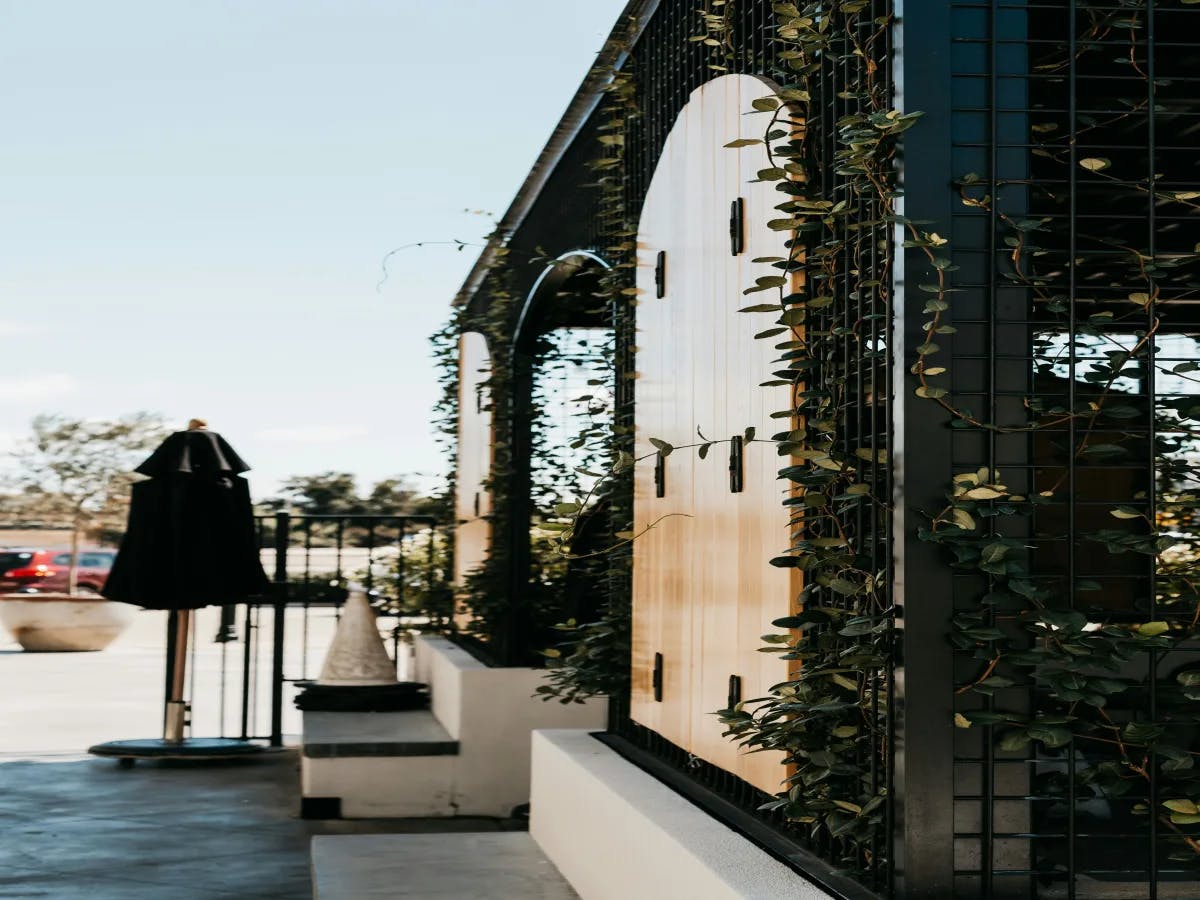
{"x":74,"y":827}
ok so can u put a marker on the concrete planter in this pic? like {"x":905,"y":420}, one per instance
{"x":57,"y":623}
{"x":468,"y":755}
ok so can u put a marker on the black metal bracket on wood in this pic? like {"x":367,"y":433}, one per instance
{"x":657,"y":680}
{"x":477,"y":504}
{"x":737,"y":230}
{"x":735,"y":465}
{"x":660,"y":275}
{"x":660,"y":475}
{"x":735,"y":691}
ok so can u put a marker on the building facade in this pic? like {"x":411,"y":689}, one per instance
{"x":839,"y":370}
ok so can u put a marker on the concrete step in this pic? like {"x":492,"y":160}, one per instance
{"x":376,"y":765}
{"x":412,"y":732}
{"x":483,"y":866}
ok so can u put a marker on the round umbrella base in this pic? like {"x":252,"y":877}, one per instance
{"x":191,"y":748}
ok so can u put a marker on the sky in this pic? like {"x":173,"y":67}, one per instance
{"x":195,"y":199}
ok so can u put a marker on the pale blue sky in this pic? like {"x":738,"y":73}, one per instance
{"x":195,"y":198}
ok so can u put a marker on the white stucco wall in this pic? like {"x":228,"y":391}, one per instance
{"x":492,"y":713}
{"x":615,"y":832}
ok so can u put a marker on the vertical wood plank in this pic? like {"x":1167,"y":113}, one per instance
{"x":704,"y":592}
{"x":473,"y":531}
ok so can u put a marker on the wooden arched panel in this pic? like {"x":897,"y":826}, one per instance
{"x":703,"y":589}
{"x":472,"y":500}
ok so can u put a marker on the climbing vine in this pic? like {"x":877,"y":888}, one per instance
{"x":592,"y":659}
{"x":576,"y":503}
{"x":1055,"y":672}
{"x":1067,"y":668}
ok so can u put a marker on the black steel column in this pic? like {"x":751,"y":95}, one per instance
{"x":282,"y":523}
{"x":924,"y":679}
{"x":515,"y":644}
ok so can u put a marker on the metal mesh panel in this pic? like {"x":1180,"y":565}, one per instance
{"x":668,"y":67}
{"x":1076,"y":120}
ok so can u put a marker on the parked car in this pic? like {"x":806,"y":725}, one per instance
{"x":23,"y":569}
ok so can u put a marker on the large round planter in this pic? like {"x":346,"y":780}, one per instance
{"x":57,"y":623}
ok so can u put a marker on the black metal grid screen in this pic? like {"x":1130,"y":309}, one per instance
{"x":856,"y":366}
{"x":1076,"y":261}
{"x":1073,"y":127}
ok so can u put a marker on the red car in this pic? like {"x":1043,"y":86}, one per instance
{"x":24,"y":569}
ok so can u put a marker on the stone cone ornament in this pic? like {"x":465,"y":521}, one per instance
{"x":357,"y":657}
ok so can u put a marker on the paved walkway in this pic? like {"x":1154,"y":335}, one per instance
{"x":74,"y":827}
{"x":89,"y":829}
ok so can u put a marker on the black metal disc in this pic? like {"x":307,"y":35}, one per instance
{"x":190,"y":748}
{"x":404,"y":695}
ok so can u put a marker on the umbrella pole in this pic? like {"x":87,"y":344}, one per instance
{"x":176,"y":708}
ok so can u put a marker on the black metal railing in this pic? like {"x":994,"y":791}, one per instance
{"x":269,"y":646}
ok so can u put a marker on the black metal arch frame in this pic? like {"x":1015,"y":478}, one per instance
{"x":569,"y":274}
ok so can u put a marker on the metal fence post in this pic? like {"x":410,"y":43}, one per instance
{"x":282,"y":525}
{"x":923,"y":795}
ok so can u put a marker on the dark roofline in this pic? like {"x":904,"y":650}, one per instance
{"x":581,"y":107}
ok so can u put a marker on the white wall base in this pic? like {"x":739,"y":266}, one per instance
{"x":383,"y":787}
{"x":615,"y":832}
{"x":492,"y":712}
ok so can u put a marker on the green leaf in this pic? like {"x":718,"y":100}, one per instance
{"x":663,"y":447}
{"x":962,"y":519}
{"x":994,"y":553}
{"x":1017,"y":739}
{"x":1095,"y":163}
{"x":1051,"y":736}
{"x":1152,"y":629}
{"x":983,"y":493}
{"x":1185,"y":806}
{"x":744,"y":142}
{"x":987,"y":717}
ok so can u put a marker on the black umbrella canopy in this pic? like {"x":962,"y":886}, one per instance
{"x":190,"y":541}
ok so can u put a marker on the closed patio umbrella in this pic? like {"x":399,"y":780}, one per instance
{"x":190,"y":543}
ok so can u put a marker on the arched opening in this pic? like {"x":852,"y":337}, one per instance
{"x":708,"y":525}
{"x":562,"y":396}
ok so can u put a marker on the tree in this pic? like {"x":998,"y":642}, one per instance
{"x":395,"y":494}
{"x":79,"y":471}
{"x":336,"y":494}
{"x":324,"y":494}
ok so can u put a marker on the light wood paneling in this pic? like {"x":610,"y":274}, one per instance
{"x":472,"y":500}
{"x":704,"y":592}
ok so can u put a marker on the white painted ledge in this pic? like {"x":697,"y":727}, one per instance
{"x":616,"y":832}
{"x":504,"y":866}
{"x":492,"y":712}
